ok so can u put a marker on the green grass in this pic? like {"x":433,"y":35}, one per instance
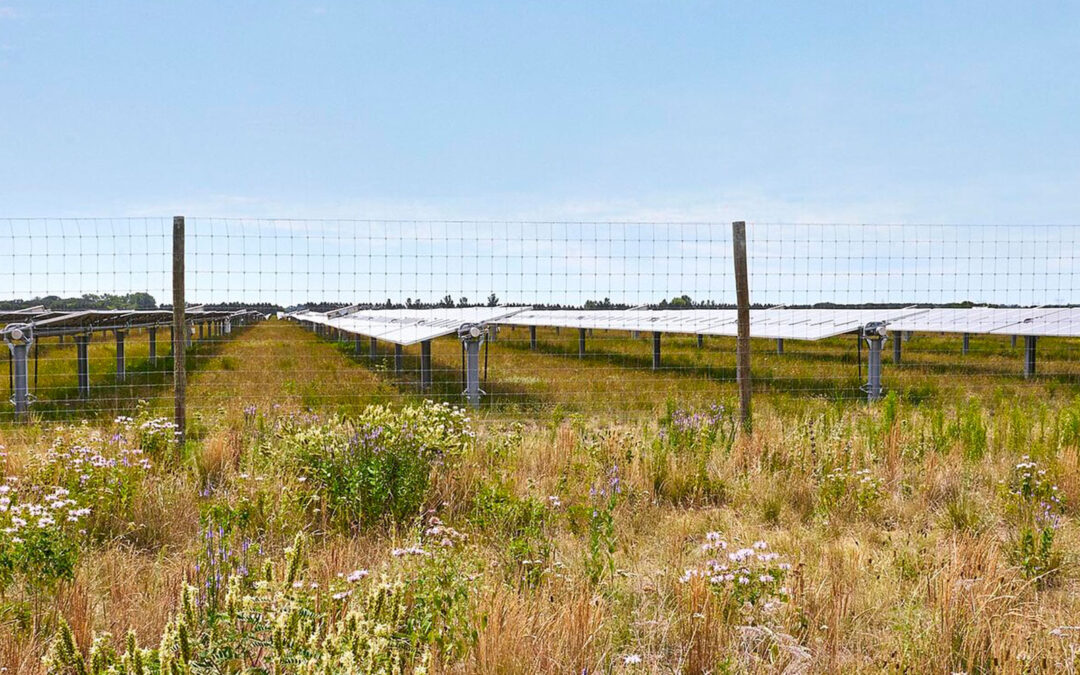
{"x":916,"y":541}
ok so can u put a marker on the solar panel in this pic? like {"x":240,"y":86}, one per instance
{"x":409,"y":326}
{"x":773,"y":323}
{"x":983,"y":320}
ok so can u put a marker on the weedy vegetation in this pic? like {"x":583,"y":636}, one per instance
{"x":594,"y":517}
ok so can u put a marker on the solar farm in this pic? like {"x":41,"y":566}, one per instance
{"x":565,"y":477}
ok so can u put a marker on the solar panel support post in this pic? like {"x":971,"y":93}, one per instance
{"x":425,"y":365}
{"x":399,"y":359}
{"x":121,"y":363}
{"x":742,"y":344}
{"x":780,"y":346}
{"x":357,"y":349}
{"x":472,"y":336}
{"x":1012,"y":341}
{"x":656,"y":350}
{"x":532,"y":338}
{"x":875,"y":336}
{"x":82,"y":364}
{"x":152,"y":333}
{"x":700,"y":341}
{"x":1029,"y":356}
{"x":634,"y":334}
{"x":19,"y":338}
{"x":966,"y":344}
{"x":227,"y":326}
{"x":897,"y":348}
{"x":180,"y":331}
{"x":373,"y":349}
{"x":201,"y":330}
{"x":907,"y":335}
{"x":581,"y":343}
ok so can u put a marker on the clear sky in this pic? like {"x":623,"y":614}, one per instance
{"x":871,"y":112}
{"x":804,"y":111}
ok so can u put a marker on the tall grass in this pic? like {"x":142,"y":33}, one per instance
{"x":602,"y":519}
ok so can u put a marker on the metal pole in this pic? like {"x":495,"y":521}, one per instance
{"x":897,"y":348}
{"x":179,"y":331}
{"x":780,"y":345}
{"x":356,"y":345}
{"x":532,"y":338}
{"x":1029,"y":356}
{"x":656,"y":350}
{"x":19,"y":339}
{"x":873,"y":368}
{"x":374,"y":348}
{"x":1012,"y":341}
{"x":700,"y":341}
{"x":399,"y":359}
{"x":471,"y":338}
{"x":153,"y":345}
{"x":875,"y":336}
{"x":200,"y":330}
{"x":82,"y":364}
{"x":742,"y":344}
{"x":967,"y":344}
{"x":425,"y":365}
{"x":581,"y":343}
{"x":121,"y":369}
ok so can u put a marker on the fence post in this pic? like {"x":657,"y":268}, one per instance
{"x":178,"y":332}
{"x":742,"y":344}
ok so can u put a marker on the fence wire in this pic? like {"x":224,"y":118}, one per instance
{"x":939,"y":297}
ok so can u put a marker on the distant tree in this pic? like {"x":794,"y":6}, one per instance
{"x":493,"y":300}
{"x":447,"y":301}
{"x":682,"y":302}
{"x":463,"y":301}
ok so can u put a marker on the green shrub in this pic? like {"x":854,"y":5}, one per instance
{"x":520,"y":527}
{"x":376,"y":468}
{"x":1035,"y":506}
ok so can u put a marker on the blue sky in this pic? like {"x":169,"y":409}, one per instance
{"x":899,"y":113}
{"x":852,"y":112}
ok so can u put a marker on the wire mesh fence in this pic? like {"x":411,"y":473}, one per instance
{"x":524,"y":318}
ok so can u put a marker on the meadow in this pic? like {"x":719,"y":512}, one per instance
{"x":594,"y":516}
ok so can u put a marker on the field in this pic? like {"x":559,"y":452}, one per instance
{"x":594,"y":516}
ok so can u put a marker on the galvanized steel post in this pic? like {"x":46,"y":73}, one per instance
{"x":19,"y":338}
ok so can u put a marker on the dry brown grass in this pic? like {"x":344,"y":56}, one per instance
{"x":919,"y":581}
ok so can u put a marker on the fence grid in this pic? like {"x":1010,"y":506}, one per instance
{"x":611,"y":318}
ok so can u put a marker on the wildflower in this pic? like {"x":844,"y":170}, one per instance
{"x":356,"y":575}
{"x":632,"y":659}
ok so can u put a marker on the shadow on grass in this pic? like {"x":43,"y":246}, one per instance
{"x":143,"y":381}
{"x":447,"y":380}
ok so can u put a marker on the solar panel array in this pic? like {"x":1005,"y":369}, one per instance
{"x":814,"y":324}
